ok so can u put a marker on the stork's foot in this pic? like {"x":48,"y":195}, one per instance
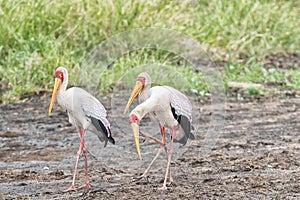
{"x":143,"y":176}
{"x":165,"y":184}
{"x":164,"y":187}
{"x":87,"y":185}
{"x":71,"y":188}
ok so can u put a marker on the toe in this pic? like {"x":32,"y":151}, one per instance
{"x":71,"y":188}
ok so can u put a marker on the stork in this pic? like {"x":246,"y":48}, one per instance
{"x":85,"y":112}
{"x":169,"y":107}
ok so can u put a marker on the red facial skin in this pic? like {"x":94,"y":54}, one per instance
{"x":142,"y":80}
{"x":59,"y":74}
{"x":133,"y":119}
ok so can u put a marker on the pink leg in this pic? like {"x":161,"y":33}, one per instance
{"x":163,"y":133}
{"x":87,"y":183}
{"x":81,"y":132}
{"x":164,"y":187}
{"x":162,"y":144}
{"x":151,"y":137}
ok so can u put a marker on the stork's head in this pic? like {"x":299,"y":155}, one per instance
{"x":143,"y":81}
{"x":135,"y":127}
{"x":60,"y":75}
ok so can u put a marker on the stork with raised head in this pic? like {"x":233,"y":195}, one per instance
{"x":169,"y":107}
{"x":85,"y":112}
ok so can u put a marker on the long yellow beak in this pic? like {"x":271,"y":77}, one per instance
{"x":54,"y":93}
{"x":135,"y":129}
{"x":137,"y":89}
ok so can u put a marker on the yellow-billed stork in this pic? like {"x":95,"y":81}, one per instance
{"x":169,"y":107}
{"x":85,"y":112}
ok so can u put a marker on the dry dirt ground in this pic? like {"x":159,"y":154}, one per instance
{"x":256,"y":155}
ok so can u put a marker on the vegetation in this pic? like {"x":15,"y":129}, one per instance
{"x":37,"y":36}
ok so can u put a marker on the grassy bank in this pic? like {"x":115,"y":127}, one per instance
{"x":37,"y":36}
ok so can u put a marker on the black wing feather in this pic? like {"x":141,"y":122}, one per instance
{"x":106,"y":132}
{"x":186,"y":126}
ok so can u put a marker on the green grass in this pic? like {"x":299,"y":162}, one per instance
{"x":37,"y":36}
{"x":254,"y":72}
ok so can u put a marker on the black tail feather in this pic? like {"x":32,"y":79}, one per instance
{"x":191,"y":136}
{"x":186,"y":126}
{"x":106,"y":132}
{"x":110,"y":138}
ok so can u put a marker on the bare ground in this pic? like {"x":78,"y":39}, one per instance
{"x":256,"y":156}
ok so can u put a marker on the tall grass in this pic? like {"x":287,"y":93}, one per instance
{"x":37,"y":36}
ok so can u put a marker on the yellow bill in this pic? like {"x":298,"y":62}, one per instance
{"x":135,"y":129}
{"x":137,"y":89}
{"x":54,"y":93}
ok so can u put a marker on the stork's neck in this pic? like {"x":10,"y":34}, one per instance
{"x":144,"y":94}
{"x":62,"y":93}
